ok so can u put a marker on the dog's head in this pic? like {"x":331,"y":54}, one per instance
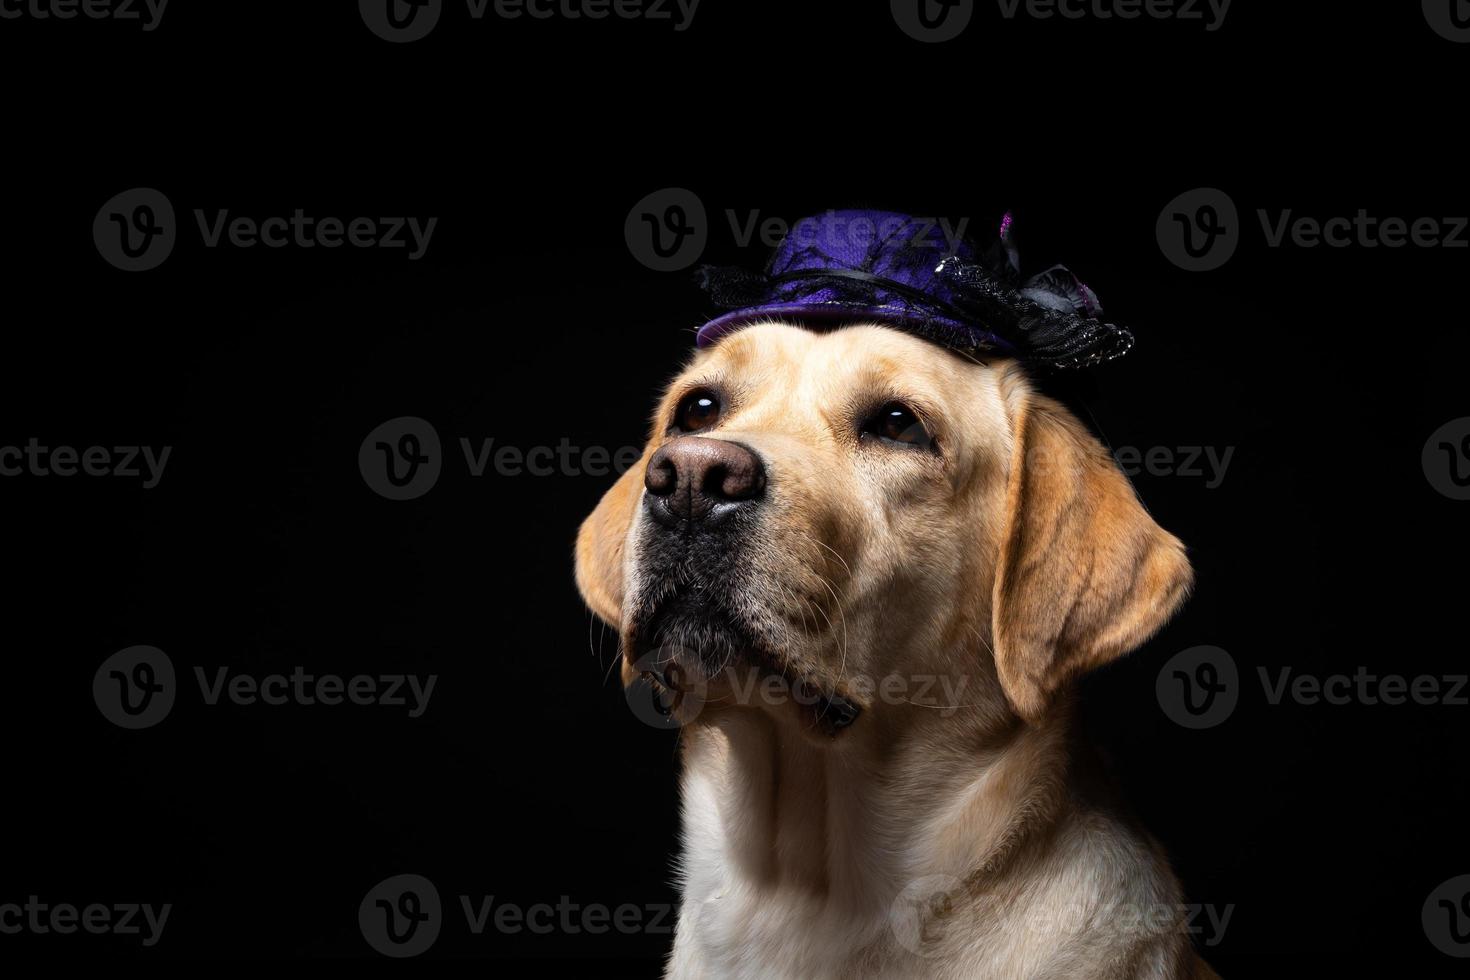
{"x":840,"y":508}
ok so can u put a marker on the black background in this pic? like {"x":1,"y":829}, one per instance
{"x":529,"y":321}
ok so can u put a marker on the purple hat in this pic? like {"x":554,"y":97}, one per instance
{"x":913,"y":274}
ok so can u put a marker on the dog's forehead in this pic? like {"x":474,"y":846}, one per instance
{"x":866,"y":354}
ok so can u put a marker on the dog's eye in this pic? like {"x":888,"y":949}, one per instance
{"x":894,"y":422}
{"x":699,"y":410}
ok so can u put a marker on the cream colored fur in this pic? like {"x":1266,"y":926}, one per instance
{"x":929,"y":839}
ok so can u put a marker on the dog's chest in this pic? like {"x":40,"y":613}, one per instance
{"x":745,"y":912}
{"x":737,"y":932}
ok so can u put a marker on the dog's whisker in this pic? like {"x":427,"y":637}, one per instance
{"x":831,"y":628}
{"x":613,"y":663}
{"x":981,"y":638}
{"x":837,"y":605}
{"x":833,"y":552}
{"x":807,"y":607}
{"x":841,"y":638}
{"x":941,"y":707}
{"x":808,"y":604}
{"x":799,"y":605}
{"x":608,"y":673}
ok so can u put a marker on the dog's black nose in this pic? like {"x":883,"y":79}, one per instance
{"x":693,"y":478}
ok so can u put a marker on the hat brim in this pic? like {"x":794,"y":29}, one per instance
{"x":830,"y":315}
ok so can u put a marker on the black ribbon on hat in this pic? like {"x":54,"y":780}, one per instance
{"x":1052,"y":318}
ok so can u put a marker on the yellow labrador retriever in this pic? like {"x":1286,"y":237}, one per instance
{"x":865,"y":571}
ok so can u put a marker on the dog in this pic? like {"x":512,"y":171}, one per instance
{"x":864,"y":572}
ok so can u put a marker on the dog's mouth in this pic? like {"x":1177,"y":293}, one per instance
{"x":694,"y":627}
{"x":690,"y":641}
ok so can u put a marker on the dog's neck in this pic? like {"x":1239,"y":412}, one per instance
{"x":908,"y":793}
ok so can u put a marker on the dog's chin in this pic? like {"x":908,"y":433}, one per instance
{"x":686,"y":636}
{"x":690,"y":632}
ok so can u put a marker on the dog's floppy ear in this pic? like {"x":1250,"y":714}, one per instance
{"x":1084,"y":574}
{"x":600,"y":545}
